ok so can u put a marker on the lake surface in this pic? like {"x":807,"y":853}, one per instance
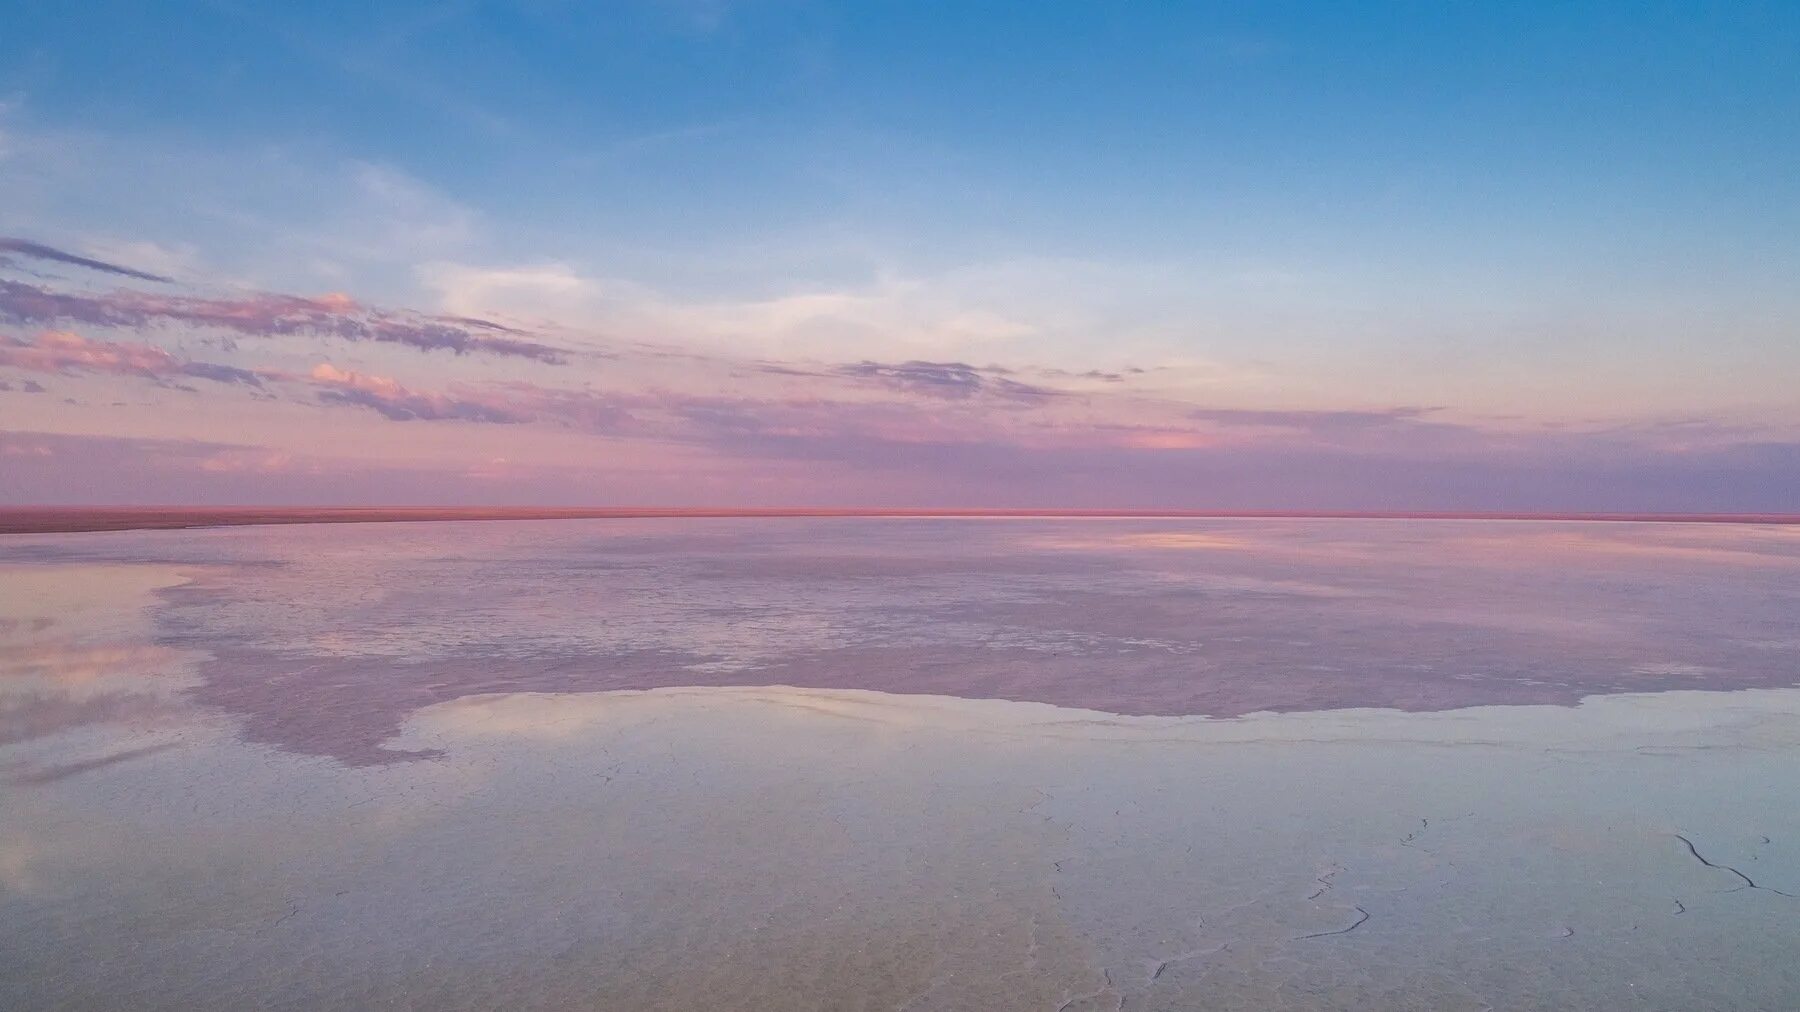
{"x":902,"y":764}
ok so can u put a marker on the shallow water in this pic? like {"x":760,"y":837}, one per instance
{"x":541,"y":766}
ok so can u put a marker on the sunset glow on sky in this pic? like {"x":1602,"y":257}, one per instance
{"x":1269,"y":256}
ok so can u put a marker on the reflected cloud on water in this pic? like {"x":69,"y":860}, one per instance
{"x":323,"y":639}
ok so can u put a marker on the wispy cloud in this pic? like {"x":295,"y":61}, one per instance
{"x":1310,"y":421}
{"x":395,"y":402}
{"x":728,"y":418}
{"x":57,"y":351}
{"x":39,"y":251}
{"x":951,"y":380}
{"x":266,"y":314}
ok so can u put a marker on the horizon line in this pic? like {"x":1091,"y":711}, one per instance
{"x":94,"y":519}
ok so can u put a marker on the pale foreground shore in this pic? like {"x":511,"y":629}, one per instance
{"x":75,"y":519}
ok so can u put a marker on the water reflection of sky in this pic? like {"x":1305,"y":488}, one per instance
{"x":356,"y":767}
{"x":322,"y":639}
{"x":815,"y":849}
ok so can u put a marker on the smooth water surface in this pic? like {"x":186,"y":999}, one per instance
{"x":902,"y":764}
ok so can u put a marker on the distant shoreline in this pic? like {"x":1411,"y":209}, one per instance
{"x":85,"y":519}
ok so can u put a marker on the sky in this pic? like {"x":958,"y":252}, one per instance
{"x":1429,"y":256}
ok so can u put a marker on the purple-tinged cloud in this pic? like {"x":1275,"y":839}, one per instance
{"x":948,"y":380}
{"x":397,"y":403}
{"x":55,"y":351}
{"x":268,"y":315}
{"x":39,"y":251}
{"x":221,"y":373}
{"x":1310,"y":421}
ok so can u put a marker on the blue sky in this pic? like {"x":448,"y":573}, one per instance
{"x":1279,"y":129}
{"x":1554,"y":215}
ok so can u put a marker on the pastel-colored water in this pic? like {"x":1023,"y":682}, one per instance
{"x":544,"y":766}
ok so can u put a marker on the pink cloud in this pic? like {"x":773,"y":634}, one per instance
{"x":717,"y":428}
{"x":397,"y":403}
{"x":60,"y":351}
